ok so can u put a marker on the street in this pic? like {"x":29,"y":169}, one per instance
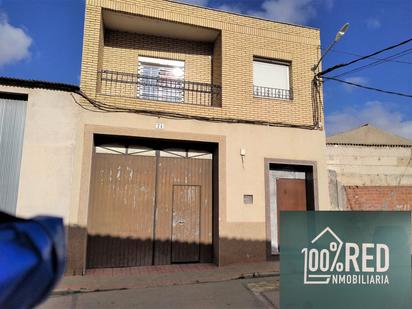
{"x":247,"y":293}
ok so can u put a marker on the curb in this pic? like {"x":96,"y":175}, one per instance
{"x":65,"y":292}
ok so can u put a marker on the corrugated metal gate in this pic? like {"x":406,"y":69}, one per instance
{"x":149,"y":207}
{"x":12,"y":121}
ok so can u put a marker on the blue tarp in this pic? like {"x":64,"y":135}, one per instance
{"x":32,"y":259}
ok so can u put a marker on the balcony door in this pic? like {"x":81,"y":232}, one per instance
{"x":161,"y":79}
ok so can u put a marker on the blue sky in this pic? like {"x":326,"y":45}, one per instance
{"x":42,"y":39}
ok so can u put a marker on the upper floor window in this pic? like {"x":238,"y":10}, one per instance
{"x":161,"y":79}
{"x":271,"y":79}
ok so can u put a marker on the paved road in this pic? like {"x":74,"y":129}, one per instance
{"x":237,"y":294}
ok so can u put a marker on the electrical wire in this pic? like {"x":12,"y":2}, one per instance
{"x":358,"y":55}
{"x":375,"y":63}
{"x":342,"y":65}
{"x":84,"y":107}
{"x":369,"y":88}
{"x":107,"y":108}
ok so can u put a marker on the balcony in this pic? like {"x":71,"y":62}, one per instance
{"x":167,"y":90}
{"x":149,"y":59}
{"x":272,"y":93}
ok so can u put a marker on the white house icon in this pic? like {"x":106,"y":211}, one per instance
{"x":334,"y":247}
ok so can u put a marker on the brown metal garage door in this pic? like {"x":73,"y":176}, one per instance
{"x":149,"y":207}
{"x":121,"y":209}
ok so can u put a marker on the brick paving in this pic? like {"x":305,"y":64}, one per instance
{"x":157,"y":276}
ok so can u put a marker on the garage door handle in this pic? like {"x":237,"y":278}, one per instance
{"x":181,"y":222}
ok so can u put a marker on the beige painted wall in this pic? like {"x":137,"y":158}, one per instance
{"x":49,"y":147}
{"x":55,"y":162}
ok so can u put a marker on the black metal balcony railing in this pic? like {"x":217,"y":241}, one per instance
{"x":272,"y":93}
{"x":158,"y":89}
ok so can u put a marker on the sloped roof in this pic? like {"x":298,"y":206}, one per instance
{"x":368,"y":135}
{"x":27,"y":83}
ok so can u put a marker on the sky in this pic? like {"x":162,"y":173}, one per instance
{"x":42,"y":39}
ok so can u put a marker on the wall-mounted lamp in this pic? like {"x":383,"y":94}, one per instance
{"x":242,"y":155}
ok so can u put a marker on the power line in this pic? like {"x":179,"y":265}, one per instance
{"x":375,"y":63}
{"x":358,"y":55}
{"x":108,"y":108}
{"x":84,"y":107}
{"x":369,"y":88}
{"x":338,"y":66}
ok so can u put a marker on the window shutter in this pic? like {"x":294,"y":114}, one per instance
{"x":271,"y":75}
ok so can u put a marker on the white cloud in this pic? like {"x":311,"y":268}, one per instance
{"x":356,"y":80}
{"x":292,"y":11}
{"x":230,"y":8}
{"x":373,"y":23}
{"x":379,"y":114}
{"x":15,"y":43}
{"x":196,"y":2}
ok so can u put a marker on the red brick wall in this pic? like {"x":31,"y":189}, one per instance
{"x":379,"y":198}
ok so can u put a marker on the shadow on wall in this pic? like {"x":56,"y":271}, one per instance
{"x":136,"y":41}
{"x":110,"y":252}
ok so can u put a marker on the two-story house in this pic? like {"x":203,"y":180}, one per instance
{"x":196,"y":128}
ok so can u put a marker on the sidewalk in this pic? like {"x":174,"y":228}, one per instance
{"x":157,"y":276}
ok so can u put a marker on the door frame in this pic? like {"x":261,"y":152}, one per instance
{"x":77,"y":233}
{"x":309,"y":167}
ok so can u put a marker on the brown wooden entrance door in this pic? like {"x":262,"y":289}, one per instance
{"x":120,"y":226}
{"x":186,"y":224}
{"x":291,"y":196}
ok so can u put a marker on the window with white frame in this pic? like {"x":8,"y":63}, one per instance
{"x":161,"y":79}
{"x":271,"y":79}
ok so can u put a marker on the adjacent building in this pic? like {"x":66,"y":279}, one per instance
{"x":370,"y":169}
{"x":191,"y":130}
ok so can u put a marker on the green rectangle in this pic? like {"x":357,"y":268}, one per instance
{"x":345,"y":260}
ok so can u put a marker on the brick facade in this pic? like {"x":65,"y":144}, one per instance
{"x":122,"y":49}
{"x":240,"y":40}
{"x":379,"y":198}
